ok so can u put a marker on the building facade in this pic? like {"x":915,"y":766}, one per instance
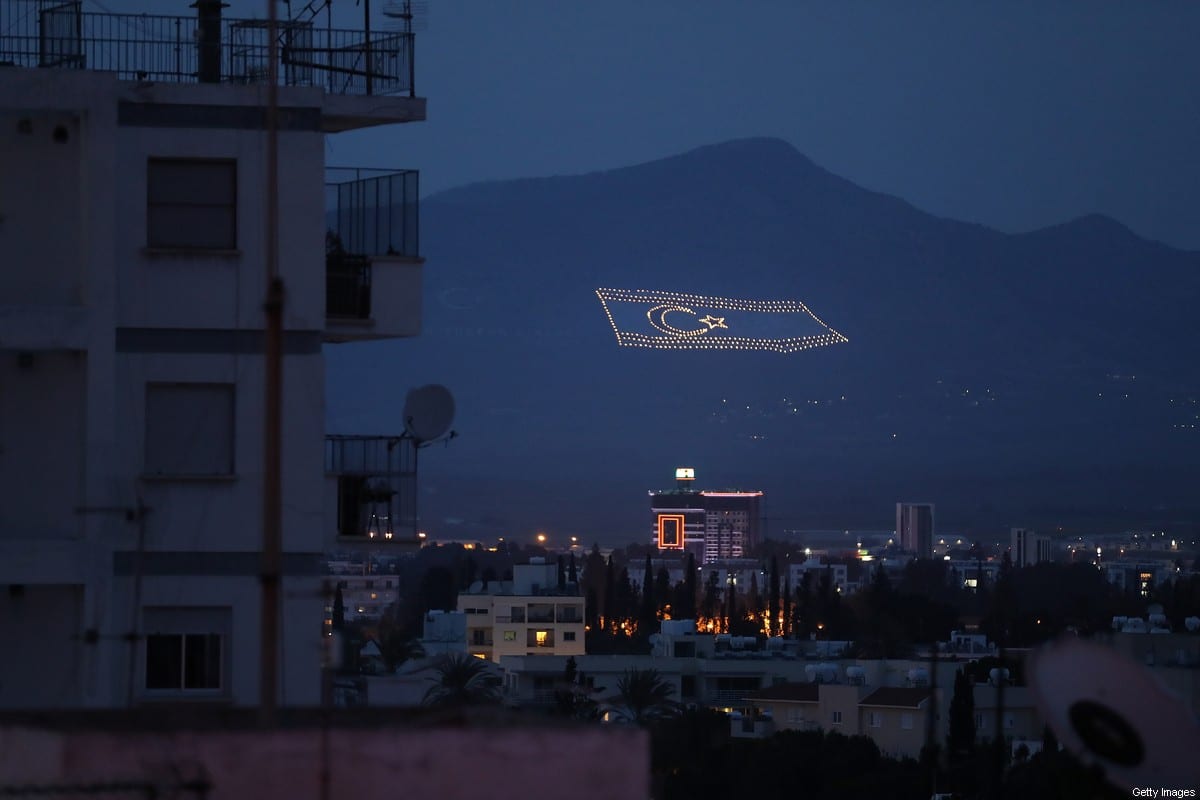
{"x":1029,"y":548}
{"x":914,"y":528}
{"x":529,"y":615}
{"x":712,"y":525}
{"x":133,"y":216}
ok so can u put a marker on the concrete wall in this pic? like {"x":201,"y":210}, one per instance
{"x":499,"y":763}
{"x":44,"y":622}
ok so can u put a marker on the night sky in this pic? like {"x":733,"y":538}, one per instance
{"x":1013,"y":114}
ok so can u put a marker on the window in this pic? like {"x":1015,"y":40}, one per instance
{"x":191,"y":204}
{"x":510,"y":636}
{"x":189,"y":429}
{"x":186,"y":649}
{"x":518,"y":614}
{"x":906,"y":721}
{"x":979,"y":722}
{"x":874,"y":719}
{"x":569,"y":636}
{"x":539,"y":639}
{"x":478,"y":637}
{"x":837,"y":718}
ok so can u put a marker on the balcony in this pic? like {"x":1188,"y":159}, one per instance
{"x":373,"y":484}
{"x":206,"y":48}
{"x":372,"y":254}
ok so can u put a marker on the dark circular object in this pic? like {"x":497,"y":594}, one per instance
{"x":1106,"y":733}
{"x":60,"y":134}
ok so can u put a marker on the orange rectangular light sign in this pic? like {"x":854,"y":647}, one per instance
{"x":670,"y":531}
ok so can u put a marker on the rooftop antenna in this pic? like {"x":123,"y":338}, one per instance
{"x":408,"y":16}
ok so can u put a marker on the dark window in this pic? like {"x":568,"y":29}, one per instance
{"x":183,"y":661}
{"x":189,"y":429}
{"x":191,"y":204}
{"x":569,"y":636}
{"x":518,"y":614}
{"x":687,"y":686}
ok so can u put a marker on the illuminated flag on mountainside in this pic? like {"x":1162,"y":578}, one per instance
{"x":677,"y":321}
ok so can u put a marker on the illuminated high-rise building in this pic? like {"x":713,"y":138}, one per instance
{"x":914,"y":528}
{"x":712,"y":525}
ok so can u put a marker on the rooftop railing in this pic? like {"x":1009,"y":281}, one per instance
{"x":146,"y":47}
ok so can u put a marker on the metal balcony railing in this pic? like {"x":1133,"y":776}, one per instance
{"x":377,"y":485}
{"x":149,"y":47}
{"x":373,"y":212}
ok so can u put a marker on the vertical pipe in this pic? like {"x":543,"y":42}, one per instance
{"x":272,"y":396}
{"x":367,"y":31}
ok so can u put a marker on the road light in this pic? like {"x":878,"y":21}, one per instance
{"x":541,"y":537}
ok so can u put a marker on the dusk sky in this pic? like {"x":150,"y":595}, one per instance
{"x":1016,"y":114}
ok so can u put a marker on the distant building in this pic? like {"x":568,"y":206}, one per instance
{"x":1029,"y":548}
{"x":528,"y":615}
{"x":914,"y":528}
{"x":712,"y":525}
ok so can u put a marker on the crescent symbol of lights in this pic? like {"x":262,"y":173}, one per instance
{"x":643,"y":318}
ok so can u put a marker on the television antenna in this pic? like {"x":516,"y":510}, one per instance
{"x":408,"y":16}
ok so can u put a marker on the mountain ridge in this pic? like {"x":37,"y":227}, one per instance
{"x":1069,"y":350}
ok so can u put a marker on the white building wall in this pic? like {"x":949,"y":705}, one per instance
{"x":88,"y":317}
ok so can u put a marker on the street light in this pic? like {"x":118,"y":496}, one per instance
{"x":541,"y":537}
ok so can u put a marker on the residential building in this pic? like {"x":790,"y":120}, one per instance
{"x":1029,"y":548}
{"x":139,"y":257}
{"x":914,"y":528}
{"x":529,"y":615}
{"x":712,"y":525}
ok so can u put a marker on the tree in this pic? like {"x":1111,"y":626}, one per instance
{"x":562,"y":575}
{"x":572,"y":573}
{"x":662,"y":590}
{"x":339,"y":610}
{"x":789,"y":620}
{"x":462,"y":680}
{"x":773,"y":628}
{"x":610,"y":594}
{"x":644,"y":695}
{"x":647,"y":615}
{"x":960,"y":742}
{"x":688,"y":610}
{"x":712,"y":596}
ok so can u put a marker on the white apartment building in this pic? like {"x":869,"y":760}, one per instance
{"x":1029,"y":548}
{"x":528,"y":615}
{"x":133,"y":197}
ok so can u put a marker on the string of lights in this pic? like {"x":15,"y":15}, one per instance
{"x":714,"y":331}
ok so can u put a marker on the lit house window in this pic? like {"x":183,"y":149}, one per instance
{"x":191,"y":204}
{"x":510,"y":636}
{"x":539,"y":639}
{"x":189,"y":429}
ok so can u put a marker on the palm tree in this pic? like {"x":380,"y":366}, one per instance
{"x":643,"y":696}
{"x":462,"y":680}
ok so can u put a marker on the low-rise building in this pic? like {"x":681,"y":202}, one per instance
{"x":529,"y":615}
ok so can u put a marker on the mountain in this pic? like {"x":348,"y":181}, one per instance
{"x":1039,"y":378}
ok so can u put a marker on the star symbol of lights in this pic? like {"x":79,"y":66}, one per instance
{"x":714,"y":322}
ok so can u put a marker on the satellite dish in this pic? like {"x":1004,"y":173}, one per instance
{"x":428,"y":412}
{"x":1115,"y":712}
